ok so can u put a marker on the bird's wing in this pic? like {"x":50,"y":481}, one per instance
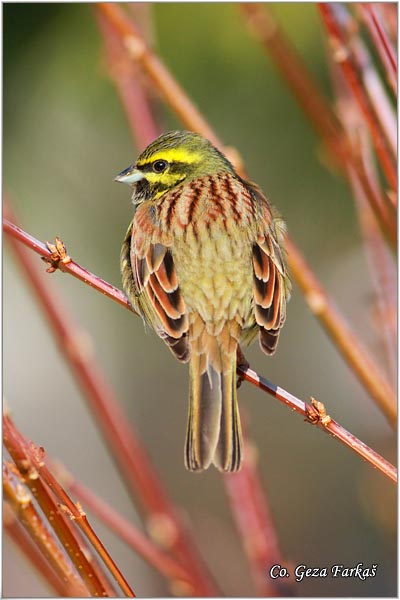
{"x":271,"y":280}
{"x":157,"y":287}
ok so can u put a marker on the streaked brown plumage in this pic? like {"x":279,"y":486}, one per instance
{"x":202,"y":262}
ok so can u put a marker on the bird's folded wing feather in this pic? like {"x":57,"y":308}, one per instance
{"x":271,"y":283}
{"x":158,"y":292}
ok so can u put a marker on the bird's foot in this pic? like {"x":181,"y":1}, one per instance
{"x":241,"y":363}
{"x":57,"y":257}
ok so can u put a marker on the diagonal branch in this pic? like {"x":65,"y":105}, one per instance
{"x":381,"y":41}
{"x":322,"y":421}
{"x":129,"y":85}
{"x":24,"y":543}
{"x":294,"y":403}
{"x":62,"y":571}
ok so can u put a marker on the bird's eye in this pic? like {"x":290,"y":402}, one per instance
{"x":159,"y":166}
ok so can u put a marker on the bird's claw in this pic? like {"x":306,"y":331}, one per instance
{"x":316,"y":413}
{"x":241,"y":362}
{"x":58,"y":255}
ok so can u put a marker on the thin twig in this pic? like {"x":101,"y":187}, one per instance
{"x":70,"y":267}
{"x":329,"y":425}
{"x":294,"y":403}
{"x":30,"y":461}
{"x":162,"y":520}
{"x":359,"y":361}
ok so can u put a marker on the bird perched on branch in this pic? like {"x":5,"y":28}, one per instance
{"x":203,"y":263}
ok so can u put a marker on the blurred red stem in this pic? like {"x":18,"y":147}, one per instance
{"x":296,"y":75}
{"x":345,"y":59}
{"x":171,"y":90}
{"x":129,"y":86}
{"x":254,"y":522}
{"x":382,"y":42}
{"x":388,"y":12}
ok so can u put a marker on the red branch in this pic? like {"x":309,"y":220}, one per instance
{"x":60,"y":569}
{"x":382,"y":42}
{"x":129,"y":85}
{"x":330,"y":426}
{"x":330,"y":17}
{"x":31,"y":552}
{"x":72,"y":268}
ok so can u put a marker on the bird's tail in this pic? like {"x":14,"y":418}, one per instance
{"x":213,"y":432}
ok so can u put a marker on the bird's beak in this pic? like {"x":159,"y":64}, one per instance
{"x":129,"y":176}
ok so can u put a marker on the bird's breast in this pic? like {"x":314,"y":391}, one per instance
{"x":213,"y":226}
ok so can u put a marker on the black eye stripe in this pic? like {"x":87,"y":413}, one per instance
{"x":174,"y":166}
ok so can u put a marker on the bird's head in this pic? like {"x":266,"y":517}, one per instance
{"x":172,"y":159}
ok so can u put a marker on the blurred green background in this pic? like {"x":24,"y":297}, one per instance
{"x":65,"y":139}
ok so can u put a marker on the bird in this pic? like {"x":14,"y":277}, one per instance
{"x":204,"y":263}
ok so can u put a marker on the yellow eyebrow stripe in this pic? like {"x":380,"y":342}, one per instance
{"x":172,"y":155}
